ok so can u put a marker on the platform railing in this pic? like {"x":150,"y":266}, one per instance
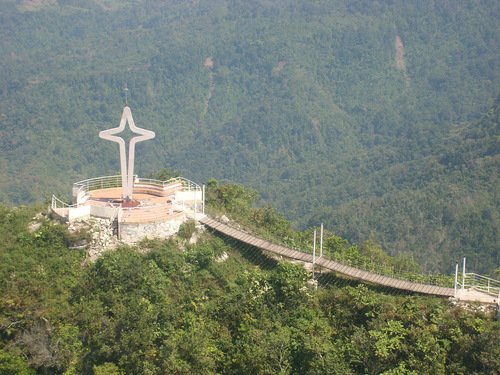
{"x":186,"y":183}
{"x":150,"y":181}
{"x":82,"y":189}
{"x":106,"y":182}
{"x":97,"y":183}
{"x":57,"y":203}
{"x":60,"y":208}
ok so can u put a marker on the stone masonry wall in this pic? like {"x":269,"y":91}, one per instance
{"x":133,"y":232}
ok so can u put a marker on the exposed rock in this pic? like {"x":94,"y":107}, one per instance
{"x":36,"y":222}
{"x":194,"y":238}
{"x":312,"y":283}
{"x":208,"y":63}
{"x":133,"y":232}
{"x":222,"y":258}
{"x":224,"y":219}
{"x":40,"y":216}
{"x":475,"y":307}
{"x":34,"y":226}
{"x":102,"y":235}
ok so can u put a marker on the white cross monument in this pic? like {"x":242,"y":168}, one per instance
{"x":112,"y":135}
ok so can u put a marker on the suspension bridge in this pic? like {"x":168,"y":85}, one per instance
{"x":471,"y":287}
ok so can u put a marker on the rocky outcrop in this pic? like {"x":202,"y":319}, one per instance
{"x":106,"y":234}
{"x":102,"y":235}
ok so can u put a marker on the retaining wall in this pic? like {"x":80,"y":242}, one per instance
{"x":133,"y":232}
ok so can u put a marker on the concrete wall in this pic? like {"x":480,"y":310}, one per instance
{"x":74,"y":194}
{"x":133,"y":232}
{"x":78,"y":213}
{"x":104,"y":212}
{"x":84,"y":212}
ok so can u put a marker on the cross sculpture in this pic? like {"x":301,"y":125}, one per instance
{"x":112,"y":135}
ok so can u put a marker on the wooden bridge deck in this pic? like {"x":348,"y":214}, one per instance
{"x":331,"y":265}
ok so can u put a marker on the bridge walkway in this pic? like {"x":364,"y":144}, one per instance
{"x":331,"y":265}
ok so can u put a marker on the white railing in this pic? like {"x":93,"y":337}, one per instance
{"x":480,"y":283}
{"x":473,"y":281}
{"x":97,"y":183}
{"x":106,"y":182}
{"x":60,"y":208}
{"x":150,"y":181}
{"x":187,"y":184}
{"x":57,"y":203}
{"x":82,"y":189}
{"x":190,"y":185}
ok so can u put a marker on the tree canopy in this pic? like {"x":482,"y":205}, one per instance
{"x":175,"y":307}
{"x":361,"y":114}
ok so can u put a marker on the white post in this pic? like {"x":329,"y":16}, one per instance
{"x":195,"y":204}
{"x":463,"y":276}
{"x":321,"y":242}
{"x":314,"y":253}
{"x":456,"y":278}
{"x":203,"y":199}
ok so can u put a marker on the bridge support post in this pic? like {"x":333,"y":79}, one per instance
{"x":456,"y":279}
{"x":314,"y":253}
{"x":195,"y":204}
{"x":321,"y":241}
{"x":203,"y":199}
{"x":463,"y":276}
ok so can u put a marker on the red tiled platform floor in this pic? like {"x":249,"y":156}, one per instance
{"x":150,"y":207}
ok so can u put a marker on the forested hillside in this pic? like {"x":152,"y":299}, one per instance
{"x":371,"y":116}
{"x":214,"y":308}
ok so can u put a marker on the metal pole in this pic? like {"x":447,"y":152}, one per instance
{"x":314,"y":253}
{"x":203,"y":199}
{"x":321,"y":242}
{"x":195,"y":204}
{"x":463,"y":276}
{"x":456,"y":279}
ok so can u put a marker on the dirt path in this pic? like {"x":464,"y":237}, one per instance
{"x":400,"y":58}
{"x":208,"y":64}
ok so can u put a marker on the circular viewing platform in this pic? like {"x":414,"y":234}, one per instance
{"x":152,"y":200}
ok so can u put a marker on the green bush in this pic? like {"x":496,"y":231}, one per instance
{"x":187,"y":229}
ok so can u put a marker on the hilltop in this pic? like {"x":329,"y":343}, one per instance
{"x":212,"y":306}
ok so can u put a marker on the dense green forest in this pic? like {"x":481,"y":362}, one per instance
{"x":216,"y":307}
{"x":378,"y":118}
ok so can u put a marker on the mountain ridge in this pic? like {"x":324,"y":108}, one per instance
{"x":321,"y":130}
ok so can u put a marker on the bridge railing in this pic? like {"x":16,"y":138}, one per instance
{"x":364,"y":264}
{"x":390,"y":271}
{"x":374,"y":267}
{"x":479,"y":282}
